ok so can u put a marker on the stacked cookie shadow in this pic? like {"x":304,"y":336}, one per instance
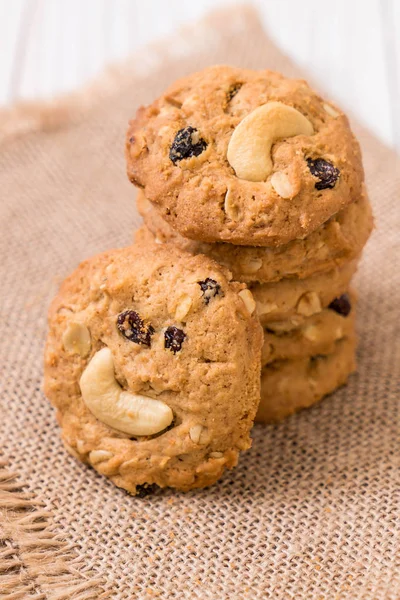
{"x":262,"y":175}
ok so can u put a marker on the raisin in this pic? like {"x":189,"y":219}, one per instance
{"x":233,"y":90}
{"x":145,"y":490}
{"x":210,"y":288}
{"x":174,"y":339}
{"x":325,"y":171}
{"x":133,"y":328}
{"x":341,"y":305}
{"x":187,"y":143}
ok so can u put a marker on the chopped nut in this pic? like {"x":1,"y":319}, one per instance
{"x":80,"y":446}
{"x":281,"y":184}
{"x":338,"y":333}
{"x":309,"y":304}
{"x":331,"y":111}
{"x":183,"y":307}
{"x":264,"y":308}
{"x":283,"y":326}
{"x":76,"y":339}
{"x":197,"y":433}
{"x":216,"y":454}
{"x":97,"y":456}
{"x":311,"y":332}
{"x":252,"y":265}
{"x":230,"y":208}
{"x":248,"y":300}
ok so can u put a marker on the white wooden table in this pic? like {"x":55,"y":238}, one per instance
{"x":351,"y":46}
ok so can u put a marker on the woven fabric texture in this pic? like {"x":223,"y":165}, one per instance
{"x":312,"y":511}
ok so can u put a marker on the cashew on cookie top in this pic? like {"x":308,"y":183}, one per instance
{"x":247,"y":157}
{"x":153,"y":363}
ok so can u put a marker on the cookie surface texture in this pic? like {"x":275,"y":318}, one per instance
{"x":290,"y":385}
{"x":336,"y":242}
{"x":246,"y":157}
{"x":153,"y":364}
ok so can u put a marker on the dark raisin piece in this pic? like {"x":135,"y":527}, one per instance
{"x":133,"y":328}
{"x":187,"y":143}
{"x":341,"y":305}
{"x":325,"y":171}
{"x":210,"y":288}
{"x":174,"y":338}
{"x":233,"y":90}
{"x":145,"y":490}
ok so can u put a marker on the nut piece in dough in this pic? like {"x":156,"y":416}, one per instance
{"x":76,"y":339}
{"x":248,"y":300}
{"x":230,"y":207}
{"x":198,"y":434}
{"x":281,"y":184}
{"x":97,"y":456}
{"x":331,"y":111}
{"x":104,"y":397}
{"x":309,"y":304}
{"x":183,"y":307}
{"x":249,"y":149}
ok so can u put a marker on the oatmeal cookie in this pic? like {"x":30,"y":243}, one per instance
{"x":245,"y":157}
{"x":153,"y":363}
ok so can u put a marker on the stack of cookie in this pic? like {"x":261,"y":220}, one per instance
{"x":261,"y":174}
{"x":255,"y":218}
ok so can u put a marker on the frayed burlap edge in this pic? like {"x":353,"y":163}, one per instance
{"x":35,"y":562}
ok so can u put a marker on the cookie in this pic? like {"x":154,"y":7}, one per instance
{"x":317,"y":335}
{"x":288,"y":303}
{"x":245,"y":157}
{"x":288,"y":386}
{"x":338,"y":241}
{"x":153,"y":363}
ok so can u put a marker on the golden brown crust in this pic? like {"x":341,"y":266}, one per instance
{"x":288,"y":386}
{"x":338,"y":241}
{"x":190,"y":192}
{"x":293,"y":301}
{"x":317,"y":335}
{"x":212,"y":381}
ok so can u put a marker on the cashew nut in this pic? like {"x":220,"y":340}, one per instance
{"x":249,"y":149}
{"x":104,"y":397}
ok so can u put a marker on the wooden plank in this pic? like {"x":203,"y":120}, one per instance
{"x":13,"y":23}
{"x":342,"y":47}
{"x":390,"y":12}
{"x":352,"y":48}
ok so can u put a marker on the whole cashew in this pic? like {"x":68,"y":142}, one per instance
{"x":104,"y":397}
{"x":249,"y":149}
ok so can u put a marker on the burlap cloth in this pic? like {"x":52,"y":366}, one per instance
{"x":313,"y":509}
